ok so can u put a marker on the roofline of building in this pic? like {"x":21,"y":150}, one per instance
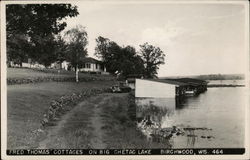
{"x":166,"y":81}
{"x":178,"y":82}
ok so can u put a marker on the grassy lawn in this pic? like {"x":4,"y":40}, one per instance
{"x":26,"y":73}
{"x":18,"y":75}
{"x":26,"y":104}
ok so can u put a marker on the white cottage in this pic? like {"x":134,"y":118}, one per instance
{"x":65,"y":65}
{"x":88,"y":65}
{"x":92,"y":65}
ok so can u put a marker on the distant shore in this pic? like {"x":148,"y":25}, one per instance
{"x":224,"y":85}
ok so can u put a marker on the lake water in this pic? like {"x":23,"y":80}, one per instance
{"x":212,"y":119}
{"x":226,"y":82}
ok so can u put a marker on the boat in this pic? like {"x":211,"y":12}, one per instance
{"x":190,"y":92}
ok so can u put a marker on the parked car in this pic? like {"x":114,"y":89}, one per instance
{"x":120,"y":88}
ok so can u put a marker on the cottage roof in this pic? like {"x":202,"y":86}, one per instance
{"x":90,"y":60}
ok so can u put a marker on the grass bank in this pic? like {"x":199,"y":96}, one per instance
{"x":27,"y":103}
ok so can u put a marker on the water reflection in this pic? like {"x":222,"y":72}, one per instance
{"x":191,"y":122}
{"x":154,"y":118}
{"x":180,"y":102}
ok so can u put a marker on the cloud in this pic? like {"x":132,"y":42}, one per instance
{"x":163,"y":36}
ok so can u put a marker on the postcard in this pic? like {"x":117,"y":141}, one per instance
{"x":125,"y":79}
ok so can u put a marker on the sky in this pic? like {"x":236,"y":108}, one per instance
{"x":201,"y":38}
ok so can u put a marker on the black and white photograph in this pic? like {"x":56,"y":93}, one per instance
{"x":108,"y":79}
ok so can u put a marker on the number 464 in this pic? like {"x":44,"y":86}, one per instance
{"x":217,"y":151}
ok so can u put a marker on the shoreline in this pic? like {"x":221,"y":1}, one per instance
{"x":223,"y":85}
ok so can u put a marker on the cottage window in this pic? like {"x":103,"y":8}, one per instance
{"x":87,"y":65}
{"x":96,"y":66}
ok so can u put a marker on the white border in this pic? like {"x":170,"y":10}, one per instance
{"x":4,"y":85}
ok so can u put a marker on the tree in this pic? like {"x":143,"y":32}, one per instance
{"x":102,"y":47}
{"x":44,"y":50}
{"x":116,"y":58}
{"x":109,"y":52}
{"x":152,"y":57}
{"x":77,"y":40}
{"x":38,"y":23}
{"x":61,"y":48}
{"x":130,"y":62}
{"x":19,"y":48}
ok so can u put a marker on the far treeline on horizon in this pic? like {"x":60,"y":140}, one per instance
{"x":212,"y":77}
{"x":36,"y":34}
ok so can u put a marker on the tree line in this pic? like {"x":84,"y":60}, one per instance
{"x":126,"y":60}
{"x":35,"y":31}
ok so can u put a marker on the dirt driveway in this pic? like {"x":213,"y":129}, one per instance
{"x":84,"y":125}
